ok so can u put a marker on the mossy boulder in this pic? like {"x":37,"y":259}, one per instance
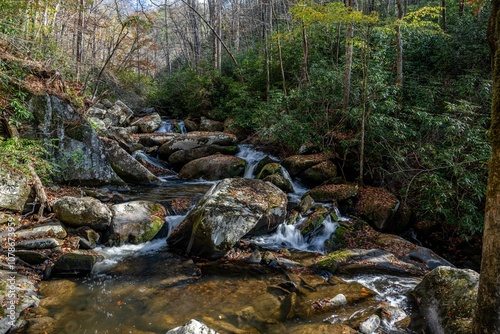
{"x":296,"y":164}
{"x":268,"y":169}
{"x":319,"y":173}
{"x":78,"y":262}
{"x":136,"y":222}
{"x":230,"y":210}
{"x":377,"y":206}
{"x":214,"y":167}
{"x":314,"y":220}
{"x":207,"y":124}
{"x":447,"y":298}
{"x":82,"y":211}
{"x":333,"y":192}
{"x":281,"y":182}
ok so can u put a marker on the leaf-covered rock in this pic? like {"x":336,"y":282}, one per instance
{"x":214,"y":167}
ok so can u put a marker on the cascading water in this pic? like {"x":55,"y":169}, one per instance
{"x":252,"y":158}
{"x":169,"y":125}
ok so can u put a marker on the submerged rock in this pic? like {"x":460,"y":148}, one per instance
{"x":447,"y":298}
{"x":82,"y":211}
{"x":214,"y":167}
{"x":136,"y":222}
{"x":192,"y":327}
{"x":228,"y":211}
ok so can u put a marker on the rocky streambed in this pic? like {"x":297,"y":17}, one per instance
{"x":197,"y":226}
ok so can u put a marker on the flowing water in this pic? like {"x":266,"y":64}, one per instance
{"x":148,"y":289}
{"x":169,"y":125}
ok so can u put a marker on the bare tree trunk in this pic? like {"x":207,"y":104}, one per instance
{"x":348,"y":64}
{"x":399,"y":45}
{"x":487,"y":315}
{"x":283,"y":79}
{"x":79,"y":39}
{"x":365,"y":112}
{"x":443,"y":13}
{"x":305,"y":55}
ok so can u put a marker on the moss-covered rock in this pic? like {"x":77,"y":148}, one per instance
{"x":228,"y":211}
{"x":319,"y":173}
{"x":78,"y":262}
{"x":280,"y":181}
{"x":314,"y":220}
{"x":136,"y":222}
{"x":268,"y":169}
{"x":182,"y":157}
{"x":447,"y":297}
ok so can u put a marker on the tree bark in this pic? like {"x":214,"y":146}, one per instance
{"x":487,"y":315}
{"x":348,"y":64}
{"x":399,"y":45}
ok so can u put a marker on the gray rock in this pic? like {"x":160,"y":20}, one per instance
{"x":207,"y":124}
{"x":306,"y":204}
{"x":78,"y":262}
{"x":338,"y":300}
{"x":128,"y":168}
{"x":182,"y":157}
{"x":45,"y":243}
{"x":149,"y":123}
{"x":192,"y":327}
{"x":214,"y":167}
{"x":136,"y":222}
{"x":82,"y":211}
{"x":52,"y":229}
{"x":31,"y":257}
{"x":447,"y":298}
{"x":370,"y":325}
{"x":14,"y":190}
{"x":72,"y":142}
{"x":228,"y":211}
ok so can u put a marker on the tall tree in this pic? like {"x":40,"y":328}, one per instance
{"x":487,"y":318}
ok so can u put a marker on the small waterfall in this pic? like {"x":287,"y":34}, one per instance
{"x":298,"y":189}
{"x":146,"y":159}
{"x":289,"y":236}
{"x":171,"y":125}
{"x":252,"y":157}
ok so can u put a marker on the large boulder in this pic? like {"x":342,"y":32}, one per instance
{"x":182,"y":157}
{"x":333,"y":192}
{"x":136,"y":222}
{"x":14,"y":190}
{"x":228,"y":211}
{"x":148,"y":123}
{"x":71,"y":142}
{"x":377,"y":206}
{"x":296,"y":164}
{"x":447,"y":299}
{"x":128,"y":168}
{"x":214,"y":167}
{"x":319,"y":173}
{"x":82,"y":211}
{"x":196,"y":139}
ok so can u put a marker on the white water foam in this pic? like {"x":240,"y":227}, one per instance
{"x":252,"y":157}
{"x":168,"y":125}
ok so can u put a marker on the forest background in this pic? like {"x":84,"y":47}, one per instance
{"x":398,"y":90}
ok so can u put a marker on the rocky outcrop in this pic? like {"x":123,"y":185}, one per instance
{"x":128,"y":168}
{"x":214,"y":167}
{"x":228,"y":211}
{"x":377,"y":206}
{"x":14,"y":190}
{"x":84,"y":211}
{"x":136,"y":222}
{"x":447,"y":297}
{"x":72,"y":143}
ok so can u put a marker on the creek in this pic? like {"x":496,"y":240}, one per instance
{"x":148,"y":289}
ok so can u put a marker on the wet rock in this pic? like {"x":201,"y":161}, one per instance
{"x":128,"y":168}
{"x":319,"y":173}
{"x":45,"y":243}
{"x":191,"y":124}
{"x":321,"y":329}
{"x":306,"y":204}
{"x":17,"y":293}
{"x":296,"y":164}
{"x":207,"y":124}
{"x":148,"y":124}
{"x":352,"y":261}
{"x":377,"y":206}
{"x":214,"y":167}
{"x":447,"y":298}
{"x":370,"y":325}
{"x":74,"y":144}
{"x":14,"y":190}
{"x":333,"y":192}
{"x":255,"y":257}
{"x":314,"y":220}
{"x":136,"y":222}
{"x":40,"y":325}
{"x":196,"y":139}
{"x":338,"y":300}
{"x":182,"y":157}
{"x":431,"y":259}
{"x":273,"y":172}
{"x":88,"y":237}
{"x":51,"y":229}
{"x":192,"y":327}
{"x":228,"y":211}
{"x":78,"y":262}
{"x":31,"y":256}
{"x":84,"y":211}
{"x":56,"y":293}
{"x":154,"y":139}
